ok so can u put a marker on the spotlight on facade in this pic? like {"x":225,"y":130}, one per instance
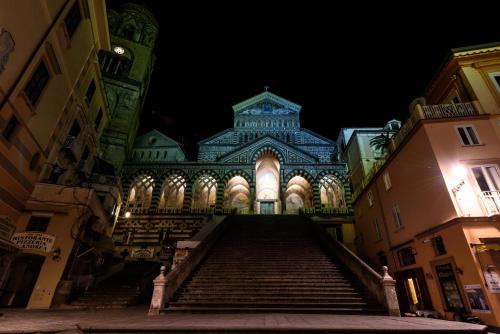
{"x":459,"y":171}
{"x":127,"y":214}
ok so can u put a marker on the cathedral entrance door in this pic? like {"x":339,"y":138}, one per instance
{"x":267,"y":207}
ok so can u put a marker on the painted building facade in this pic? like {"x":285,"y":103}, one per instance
{"x":265,"y":164}
{"x":58,"y":199}
{"x":430,"y":211}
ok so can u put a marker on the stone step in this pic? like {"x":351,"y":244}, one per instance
{"x":173,"y":308}
{"x":271,"y":290}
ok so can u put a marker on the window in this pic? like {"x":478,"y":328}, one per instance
{"x":468,"y":135}
{"x":34,"y":160}
{"x":11,"y":128}
{"x":387,"y":181}
{"x":98,"y":119}
{"x":370,"y":198}
{"x":73,"y":19}
{"x":90,"y":92}
{"x":397,"y":216}
{"x":495,"y":77}
{"x":75,"y":129}
{"x":438,"y":245}
{"x":38,"y":224}
{"x":487,"y":178}
{"x":406,"y":256}
{"x":85,"y":154}
{"x":37,"y":83}
{"x":376,"y":227}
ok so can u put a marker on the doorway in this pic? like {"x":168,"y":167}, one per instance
{"x":411,"y":284}
{"x":267,"y":207}
{"x":24,"y":273}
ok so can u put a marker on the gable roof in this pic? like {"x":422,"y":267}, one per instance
{"x":266,"y":96}
{"x":154,"y":138}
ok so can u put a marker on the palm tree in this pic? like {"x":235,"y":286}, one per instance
{"x":381,"y":141}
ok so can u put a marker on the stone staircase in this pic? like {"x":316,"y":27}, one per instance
{"x":131,"y":286}
{"x":272,"y":264}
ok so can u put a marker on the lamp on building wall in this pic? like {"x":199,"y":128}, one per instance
{"x":127,"y":214}
{"x":56,"y":254}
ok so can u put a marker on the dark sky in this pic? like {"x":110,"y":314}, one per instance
{"x":349,"y":65}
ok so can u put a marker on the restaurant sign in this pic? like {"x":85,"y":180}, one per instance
{"x":34,"y":241}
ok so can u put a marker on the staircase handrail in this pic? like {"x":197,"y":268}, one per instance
{"x":184,"y":269}
{"x":381,"y":287}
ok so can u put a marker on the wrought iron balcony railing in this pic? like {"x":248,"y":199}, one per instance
{"x":491,"y":200}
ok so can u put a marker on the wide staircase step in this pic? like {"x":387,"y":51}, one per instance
{"x":271,"y":264}
{"x":128,"y":287}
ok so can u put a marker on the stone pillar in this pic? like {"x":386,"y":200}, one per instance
{"x":159,"y":297}
{"x":391,"y":298}
{"x":219,"y":198}
{"x":188,"y":195}
{"x":155,"y":198}
{"x":316,"y":197}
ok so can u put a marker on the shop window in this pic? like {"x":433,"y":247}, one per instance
{"x":449,"y":287}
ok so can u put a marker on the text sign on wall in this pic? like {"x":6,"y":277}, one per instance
{"x":34,"y":241}
{"x":492,"y":281}
{"x":143,"y":253}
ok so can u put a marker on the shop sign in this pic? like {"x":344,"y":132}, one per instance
{"x":476,"y":298}
{"x":492,"y":281}
{"x":143,"y":253}
{"x":34,"y":241}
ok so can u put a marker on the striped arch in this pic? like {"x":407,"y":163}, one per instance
{"x":140,"y":188}
{"x":237,"y":172}
{"x":298,"y":172}
{"x":131,"y":178}
{"x":171,"y":190}
{"x":190,"y":194}
{"x":344,"y":182}
{"x":268,"y":150}
{"x":236,"y":191}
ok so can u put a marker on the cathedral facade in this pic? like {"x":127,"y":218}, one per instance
{"x":265,"y":164}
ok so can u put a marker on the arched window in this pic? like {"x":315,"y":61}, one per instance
{"x":172,"y":195}
{"x":298,"y":195}
{"x":204,"y":192}
{"x":141,"y":193}
{"x":331,"y":192}
{"x":237,"y":194}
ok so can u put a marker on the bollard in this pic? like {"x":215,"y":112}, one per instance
{"x":158,"y":299}
{"x":391,"y":298}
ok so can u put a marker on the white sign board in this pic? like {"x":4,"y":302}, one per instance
{"x":34,"y":241}
{"x":492,"y":281}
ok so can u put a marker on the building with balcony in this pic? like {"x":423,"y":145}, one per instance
{"x":429,"y":209}
{"x":58,"y":199}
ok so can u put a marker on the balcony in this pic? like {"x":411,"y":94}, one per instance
{"x":491,"y":200}
{"x":438,"y":111}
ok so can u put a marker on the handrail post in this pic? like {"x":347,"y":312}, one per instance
{"x":159,"y":297}
{"x":391,"y":298}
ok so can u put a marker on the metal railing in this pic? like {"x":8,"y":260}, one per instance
{"x":491,"y":200}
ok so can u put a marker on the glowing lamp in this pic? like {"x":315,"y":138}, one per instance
{"x":119,"y":50}
{"x":459,"y":171}
{"x":127,"y":214}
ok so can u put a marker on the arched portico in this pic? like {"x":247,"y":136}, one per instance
{"x":267,"y":185}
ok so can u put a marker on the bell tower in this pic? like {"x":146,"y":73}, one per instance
{"x":126,"y":71}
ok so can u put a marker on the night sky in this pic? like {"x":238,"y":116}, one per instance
{"x":354,"y":65}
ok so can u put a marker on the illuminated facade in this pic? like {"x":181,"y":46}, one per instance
{"x":265,"y":164}
{"x":430,"y":208}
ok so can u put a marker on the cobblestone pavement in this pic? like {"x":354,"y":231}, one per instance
{"x":30,"y":321}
